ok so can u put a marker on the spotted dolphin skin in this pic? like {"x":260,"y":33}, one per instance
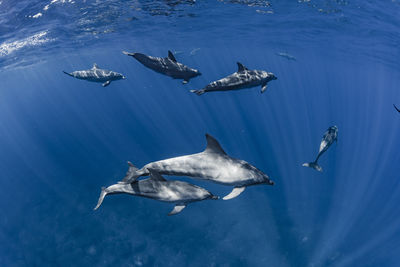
{"x":327,"y":140}
{"x":243,"y":78}
{"x":167,"y":66}
{"x":95,"y":74}
{"x":212,"y":164}
{"x":158,"y":188}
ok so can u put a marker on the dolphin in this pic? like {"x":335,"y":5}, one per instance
{"x":243,"y":78}
{"x":286,"y":55}
{"x":212,"y":164}
{"x":167,"y":66}
{"x":158,"y":188}
{"x":327,"y":140}
{"x":398,"y":110}
{"x":95,"y":74}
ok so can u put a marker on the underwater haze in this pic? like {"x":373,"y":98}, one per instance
{"x":62,"y":139}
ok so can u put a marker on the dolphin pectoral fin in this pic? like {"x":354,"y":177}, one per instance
{"x":107,"y":83}
{"x":185,"y":81}
{"x":178,"y":208}
{"x":95,"y":66}
{"x":171,"y":56}
{"x":235,"y":192}
{"x":263,"y":88}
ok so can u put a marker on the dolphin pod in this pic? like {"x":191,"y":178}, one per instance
{"x":213,"y":164}
{"x":95,"y":74}
{"x":327,"y":140}
{"x":158,"y":188}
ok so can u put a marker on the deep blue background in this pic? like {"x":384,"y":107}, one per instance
{"x":61,"y":139}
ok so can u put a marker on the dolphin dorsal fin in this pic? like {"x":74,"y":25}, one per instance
{"x":155,"y":175}
{"x":95,"y":66}
{"x":241,"y":67}
{"x":213,"y":146}
{"x":171,"y":56}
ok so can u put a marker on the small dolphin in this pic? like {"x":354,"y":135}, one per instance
{"x":158,"y":188}
{"x":327,"y":140}
{"x":95,"y":74}
{"x":243,"y":78}
{"x":212,"y":164}
{"x":286,"y":55}
{"x":398,"y":110}
{"x":167,"y":66}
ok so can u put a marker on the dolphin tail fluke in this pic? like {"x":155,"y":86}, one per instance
{"x":128,"y":54}
{"x":235,"y":192}
{"x":313,"y":165}
{"x":101,"y":198}
{"x":198,"y":92}
{"x":131,"y":175}
{"x":69,"y":74}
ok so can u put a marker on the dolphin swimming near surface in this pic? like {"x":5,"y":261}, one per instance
{"x":158,"y":188}
{"x":243,"y":78}
{"x":327,"y":140}
{"x":167,"y":66}
{"x":95,"y":74}
{"x":212,"y":164}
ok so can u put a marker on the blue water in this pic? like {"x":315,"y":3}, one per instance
{"x":61,"y":139}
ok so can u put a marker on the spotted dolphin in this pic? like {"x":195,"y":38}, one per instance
{"x":243,"y":78}
{"x":212,"y":164}
{"x":167,"y":66}
{"x":158,"y":188}
{"x":327,"y":140}
{"x":95,"y":74}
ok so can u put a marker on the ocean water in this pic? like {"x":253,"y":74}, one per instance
{"x":62,"y":139}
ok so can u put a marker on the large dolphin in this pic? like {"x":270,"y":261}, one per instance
{"x":212,"y":164}
{"x":156,"y":187}
{"x":95,"y":74}
{"x":327,"y":140}
{"x":167,"y":66}
{"x":243,"y":78}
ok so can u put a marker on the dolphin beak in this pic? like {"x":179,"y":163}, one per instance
{"x":123,"y":77}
